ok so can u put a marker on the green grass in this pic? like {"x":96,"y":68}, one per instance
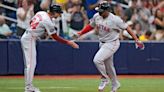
{"x":83,"y":85}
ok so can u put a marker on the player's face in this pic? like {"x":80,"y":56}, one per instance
{"x":56,"y":15}
{"x":103,"y":14}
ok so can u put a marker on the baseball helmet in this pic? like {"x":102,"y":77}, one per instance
{"x":55,"y":8}
{"x":104,"y":5}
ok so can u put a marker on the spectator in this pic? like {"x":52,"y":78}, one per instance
{"x":160,"y":6}
{"x":138,"y":28}
{"x":37,"y":6}
{"x":66,"y":18}
{"x":146,"y":36}
{"x":69,"y":4}
{"x":90,"y":7}
{"x":159,"y":23}
{"x":4,"y":29}
{"x":41,"y":5}
{"x":68,"y":10}
{"x":143,"y":15}
{"x":19,"y":3}
{"x":77,"y":17}
{"x":152,"y":4}
{"x":129,"y":12}
{"x":24,"y":15}
{"x":118,"y":10}
{"x":61,"y":2}
{"x":45,"y":4}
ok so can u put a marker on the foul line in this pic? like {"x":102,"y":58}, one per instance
{"x":45,"y":88}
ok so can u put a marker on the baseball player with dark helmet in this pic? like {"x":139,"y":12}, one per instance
{"x":109,"y":27}
{"x":39,"y":23}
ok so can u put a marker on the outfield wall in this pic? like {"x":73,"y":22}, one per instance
{"x":56,"y":58}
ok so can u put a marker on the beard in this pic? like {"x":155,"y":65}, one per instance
{"x":100,"y":13}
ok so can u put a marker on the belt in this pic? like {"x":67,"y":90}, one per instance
{"x":108,"y":41}
{"x":103,"y":42}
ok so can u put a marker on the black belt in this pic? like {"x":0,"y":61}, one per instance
{"x":103,"y":42}
{"x":106,"y":42}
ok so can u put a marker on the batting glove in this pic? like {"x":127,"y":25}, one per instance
{"x":139,"y":45}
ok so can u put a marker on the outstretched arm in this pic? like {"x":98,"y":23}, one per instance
{"x":61,"y":40}
{"x":129,"y":30}
{"x":139,"y":44}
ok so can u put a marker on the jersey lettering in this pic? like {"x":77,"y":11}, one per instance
{"x":104,"y":28}
{"x":35,"y":21}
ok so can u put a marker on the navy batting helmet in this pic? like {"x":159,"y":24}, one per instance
{"x":55,"y":8}
{"x":104,"y":5}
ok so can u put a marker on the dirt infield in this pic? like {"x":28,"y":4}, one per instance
{"x":84,"y":76}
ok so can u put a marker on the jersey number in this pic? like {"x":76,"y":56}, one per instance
{"x":35,"y":21}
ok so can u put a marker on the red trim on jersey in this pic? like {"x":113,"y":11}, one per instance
{"x":59,"y":39}
{"x":86,"y":29}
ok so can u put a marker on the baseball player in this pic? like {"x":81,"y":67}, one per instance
{"x":109,"y":27}
{"x":39,"y":23}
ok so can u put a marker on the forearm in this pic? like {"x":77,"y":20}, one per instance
{"x":129,"y":30}
{"x":86,"y":29}
{"x":59,"y":39}
{"x":159,"y":22}
{"x":138,"y":43}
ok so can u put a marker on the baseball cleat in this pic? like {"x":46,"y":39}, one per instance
{"x":31,"y":89}
{"x":115,"y":87}
{"x":104,"y":82}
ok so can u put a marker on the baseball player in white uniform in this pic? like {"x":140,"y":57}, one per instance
{"x":109,"y":27}
{"x":39,"y":23}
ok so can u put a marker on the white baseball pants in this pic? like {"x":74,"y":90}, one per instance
{"x":104,"y":59}
{"x":29,"y":49}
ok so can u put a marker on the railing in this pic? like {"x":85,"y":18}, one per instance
{"x":10,"y":8}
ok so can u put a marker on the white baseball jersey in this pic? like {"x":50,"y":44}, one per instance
{"x":41,"y":22}
{"x":108,"y":28}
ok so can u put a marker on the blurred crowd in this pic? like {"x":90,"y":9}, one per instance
{"x":146,"y":17}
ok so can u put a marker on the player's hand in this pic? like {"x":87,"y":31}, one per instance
{"x":76,"y":35}
{"x":140,"y":45}
{"x":73,"y":44}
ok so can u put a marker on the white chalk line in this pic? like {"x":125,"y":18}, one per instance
{"x":45,"y":87}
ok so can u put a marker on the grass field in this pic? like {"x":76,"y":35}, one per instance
{"x":129,"y":84}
